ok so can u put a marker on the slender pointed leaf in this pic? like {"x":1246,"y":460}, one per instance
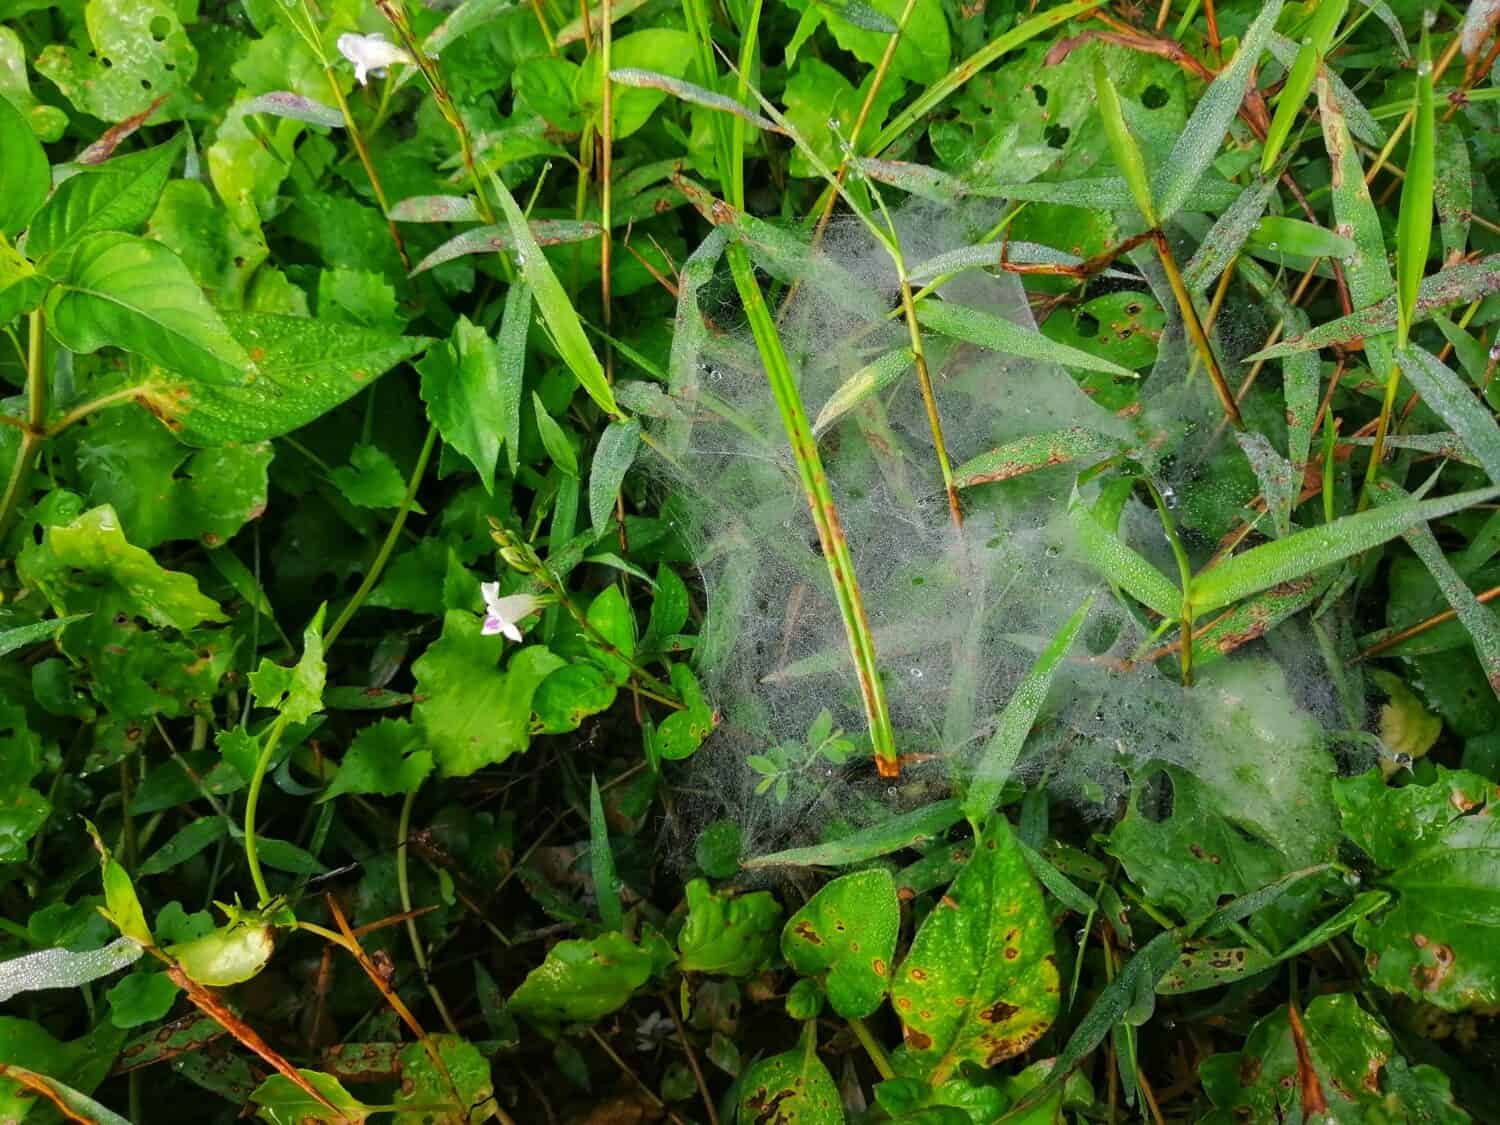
{"x":1001,"y":335}
{"x":1452,"y":400}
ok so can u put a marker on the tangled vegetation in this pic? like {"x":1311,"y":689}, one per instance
{"x":793,"y":562}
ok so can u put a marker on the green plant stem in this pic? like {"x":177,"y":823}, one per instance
{"x":403,"y":887}
{"x":872,"y":1048}
{"x":652,"y":688}
{"x":929,"y":400}
{"x":824,"y":514}
{"x":83,"y":410}
{"x":363,"y":152}
{"x":392,"y":537}
{"x":1382,"y":430}
{"x":252,"y":801}
{"x":1195,"y":330}
{"x":1185,"y":579}
{"x":32,"y":438}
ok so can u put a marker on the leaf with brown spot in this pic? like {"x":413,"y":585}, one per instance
{"x":960,"y":995}
{"x":847,"y":931}
{"x":791,"y":1089}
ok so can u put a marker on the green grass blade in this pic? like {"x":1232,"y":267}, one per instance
{"x":1304,"y":552}
{"x":821,"y":504}
{"x":602,"y":862}
{"x":1300,"y":77}
{"x":1454,"y":190}
{"x":1414,"y":220}
{"x":870,"y":379}
{"x":1203,"y":134}
{"x":1030,"y":453}
{"x":1004,"y":747}
{"x":891,"y":835}
{"x":1454,"y":285}
{"x":1122,"y":145}
{"x":1112,"y":557}
{"x":1452,"y":400}
{"x":557,"y":311}
{"x":1367,"y":272}
{"x":1301,"y":374}
{"x":998,"y":334}
{"x":1226,"y":238}
{"x":1482,"y":624}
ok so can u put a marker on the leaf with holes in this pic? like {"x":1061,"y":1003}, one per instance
{"x":1440,"y":844}
{"x":140,"y":53}
{"x":980,"y":983}
{"x":848,"y":931}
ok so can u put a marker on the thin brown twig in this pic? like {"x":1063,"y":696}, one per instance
{"x":692,"y":1058}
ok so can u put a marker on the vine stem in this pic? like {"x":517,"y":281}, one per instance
{"x":929,"y":400}
{"x":872,"y":1048}
{"x":403,"y":887}
{"x":32,"y":437}
{"x":392,"y":537}
{"x":252,"y":801}
{"x":363,"y":152}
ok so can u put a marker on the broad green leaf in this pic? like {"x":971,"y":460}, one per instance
{"x":602,"y":862}
{"x":1112,"y":557}
{"x":731,"y":935}
{"x":980,"y":983}
{"x":371,"y":479}
{"x":385,"y":758}
{"x":665,"y":50}
{"x":613,"y":457}
{"x":848,"y":932}
{"x":190,"y":840}
{"x":465,"y":1073}
{"x":471,"y":713}
{"x":93,"y":549}
{"x":1452,"y":400}
{"x":1414,"y":219}
{"x":130,"y":293}
{"x":904,"y":830}
{"x":63,"y":968}
{"x":572,"y":694}
{"x":1442,"y":849}
{"x":557,"y":310}
{"x":1353,"y":1062}
{"x":162,"y":489}
{"x":1001,"y":335}
{"x":582,"y":981}
{"x":1203,"y":134}
{"x":1187,"y":861}
{"x":303,"y":369}
{"x":1304,"y":552}
{"x":467,"y":397}
{"x":794,"y":1088}
{"x":1122,"y":144}
{"x":297,"y":692}
{"x":1000,"y":753}
{"x":27,"y":176}
{"x":119,"y":194}
{"x":281,"y":1101}
{"x":137,"y":51}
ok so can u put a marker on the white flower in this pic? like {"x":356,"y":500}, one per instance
{"x":370,"y":54}
{"x":502,"y":614}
